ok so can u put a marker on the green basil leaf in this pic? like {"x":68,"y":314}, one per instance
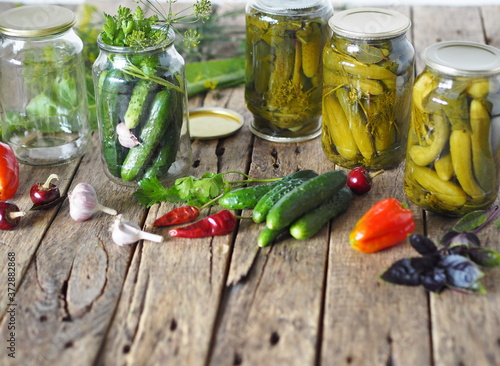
{"x":471,"y":221}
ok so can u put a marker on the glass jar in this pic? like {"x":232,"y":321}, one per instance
{"x":453,"y":154}
{"x":367,"y":80}
{"x":284,"y":67}
{"x":43,"y":98}
{"x":142,"y":112}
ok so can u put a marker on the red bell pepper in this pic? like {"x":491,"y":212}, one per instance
{"x":179,"y":215}
{"x":386,"y":224}
{"x":221,"y":223}
{"x":9,"y":172}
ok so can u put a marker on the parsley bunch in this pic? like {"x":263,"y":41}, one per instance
{"x":197,"y":192}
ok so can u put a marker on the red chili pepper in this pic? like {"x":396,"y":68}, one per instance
{"x":386,"y":224}
{"x":9,"y":172}
{"x":221,"y":223}
{"x":179,"y":215}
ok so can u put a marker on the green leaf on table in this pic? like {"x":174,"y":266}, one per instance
{"x":151,"y":191}
{"x":471,"y":221}
{"x":207,"y":75}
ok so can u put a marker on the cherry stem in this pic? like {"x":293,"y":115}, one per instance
{"x":46,"y":185}
{"x":15,"y":215}
{"x":374,"y":174}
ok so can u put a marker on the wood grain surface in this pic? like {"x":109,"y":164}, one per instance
{"x":82,"y":300}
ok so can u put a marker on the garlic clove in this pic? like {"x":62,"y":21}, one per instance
{"x":125,"y":136}
{"x":125,"y":232}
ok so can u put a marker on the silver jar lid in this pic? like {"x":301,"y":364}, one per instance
{"x":291,"y":7}
{"x":463,"y":58}
{"x":36,"y":21}
{"x":369,"y":23}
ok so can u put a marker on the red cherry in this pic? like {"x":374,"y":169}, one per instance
{"x":45,"y":193}
{"x":359,"y":181}
{"x":10,"y":215}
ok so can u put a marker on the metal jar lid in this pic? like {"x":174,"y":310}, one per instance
{"x":291,"y":7}
{"x":36,"y":21}
{"x":213,"y":123}
{"x":462,"y":58}
{"x":369,"y":23}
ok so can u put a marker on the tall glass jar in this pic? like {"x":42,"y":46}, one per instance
{"x":453,"y":155}
{"x":284,"y":67}
{"x":43,"y":99}
{"x":142,"y":112}
{"x":367,"y":80}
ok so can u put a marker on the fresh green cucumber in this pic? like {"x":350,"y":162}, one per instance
{"x":138,"y":104}
{"x":311,"y":222}
{"x":267,"y":236}
{"x":304,"y":198}
{"x":166,"y":154}
{"x":112,"y":87}
{"x":150,"y":136}
{"x":267,"y":201}
{"x":248,"y":197}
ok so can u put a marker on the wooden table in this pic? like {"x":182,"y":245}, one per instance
{"x":82,"y":300}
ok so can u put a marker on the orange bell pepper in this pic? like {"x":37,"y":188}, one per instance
{"x":386,"y":224}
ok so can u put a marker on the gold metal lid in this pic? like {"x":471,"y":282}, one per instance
{"x":36,"y":21}
{"x":213,"y":123}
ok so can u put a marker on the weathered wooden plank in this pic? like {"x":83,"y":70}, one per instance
{"x":71,"y":288}
{"x":491,"y":26}
{"x":441,"y":23}
{"x":368,"y":322}
{"x":273,"y":300}
{"x":175,"y":289}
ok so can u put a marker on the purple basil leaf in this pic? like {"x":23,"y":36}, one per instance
{"x":467,"y":239}
{"x":402,"y":273}
{"x":51,"y":204}
{"x":448,"y":237}
{"x":461,"y":272}
{"x":484,"y":257}
{"x":434,"y":280}
{"x":422,"y":244}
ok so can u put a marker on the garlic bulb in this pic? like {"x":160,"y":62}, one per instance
{"x":83,"y":203}
{"x":126,"y":232}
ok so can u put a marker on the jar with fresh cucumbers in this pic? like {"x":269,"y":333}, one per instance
{"x":453,"y":153}
{"x":140,"y":89}
{"x":367,"y":80}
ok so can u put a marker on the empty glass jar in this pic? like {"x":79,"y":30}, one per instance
{"x":43,"y":99}
{"x":453,"y":155}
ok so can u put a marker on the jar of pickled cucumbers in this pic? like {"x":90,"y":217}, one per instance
{"x":367,"y":81}
{"x":284,"y":67}
{"x":453,"y":154}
